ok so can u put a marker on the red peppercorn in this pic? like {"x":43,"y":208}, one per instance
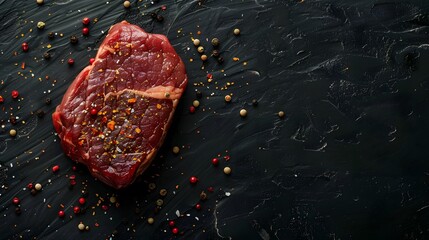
{"x":171,"y":223}
{"x":15,"y":94}
{"x":215,"y":161}
{"x":24,"y":46}
{"x":74,"y":168}
{"x":94,"y":111}
{"x":193,"y":179}
{"x":30,"y":186}
{"x":82,"y":201}
{"x":210,"y":189}
{"x":227,"y":158}
{"x":1,"y":99}
{"x":85,"y":31}
{"x":175,"y":230}
{"x":198,"y":206}
{"x":55,"y":168}
{"x":76,"y":209}
{"x":91,"y":61}
{"x":163,"y":7}
{"x":61,"y":214}
{"x":70,"y":61}
{"x":191,"y":109}
{"x":86,"y":21}
{"x":105,"y":207}
{"x":15,"y":201}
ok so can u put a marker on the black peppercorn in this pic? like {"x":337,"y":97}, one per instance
{"x":153,"y":15}
{"x":51,"y":35}
{"x":73,"y":39}
{"x":40,"y":113}
{"x":215,"y":53}
{"x":48,"y":101}
{"x":18,"y":211}
{"x":199,"y":94}
{"x":159,"y":18}
{"x":47,"y":55}
{"x":255,"y":102}
{"x":220,"y":60}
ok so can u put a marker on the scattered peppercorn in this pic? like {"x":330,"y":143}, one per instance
{"x":76,"y":209}
{"x":18,"y":211}
{"x":196,"y":42}
{"x":47,"y":55}
{"x":91,"y":61}
{"x":215,"y":161}
{"x":1,"y":99}
{"x":175,"y":230}
{"x":227,"y":170}
{"x":176,"y":149}
{"x":61,"y":214}
{"x":215,"y":53}
{"x":191,"y":109}
{"x":41,"y":25}
{"x":48,"y":101}
{"x":220,"y":60}
{"x":199,"y":94}
{"x":152,"y":186}
{"x":81,"y":226}
{"x":228,"y":98}
{"x":171,"y":223}
{"x":200,"y":49}
{"x":243,"y":112}
{"x":85,"y":31}
{"x":159,"y":18}
{"x":236,"y":32}
{"x":70,"y":61}
{"x":193,"y":180}
{"x":30,"y":186}
{"x":203,"y":196}
{"x":40,"y":113}
{"x":127,"y":4}
{"x":94,"y":112}
{"x":215,"y":42}
{"x":74,"y":39}
{"x":112,"y":199}
{"x":255,"y":102}
{"x":203,"y":57}
{"x":24,"y":47}
{"x":16,"y":201}
{"x":82,"y":201}
{"x":38,"y":186}
{"x":196,"y":103}
{"x":86,"y":21}
{"x":33,"y":192}
{"x":281,"y":114}
{"x":51,"y":35}
{"x":198,"y":206}
{"x":15,"y":94}
{"x":40,"y":2}
{"x":150,"y":220}
{"x":163,"y":192}
{"x":12,"y":132}
{"x":159,"y":202}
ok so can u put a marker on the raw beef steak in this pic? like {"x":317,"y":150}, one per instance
{"x":115,"y":115}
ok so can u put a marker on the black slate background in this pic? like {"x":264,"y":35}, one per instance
{"x":349,"y":160}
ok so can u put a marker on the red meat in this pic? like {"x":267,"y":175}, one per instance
{"x":116,"y":113}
